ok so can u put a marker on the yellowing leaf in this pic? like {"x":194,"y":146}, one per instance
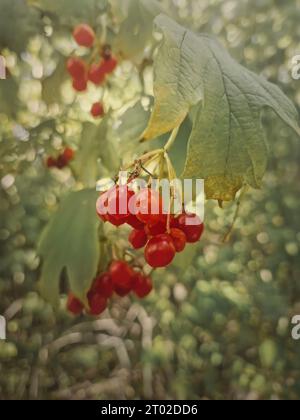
{"x":70,"y":242}
{"x":227,"y":146}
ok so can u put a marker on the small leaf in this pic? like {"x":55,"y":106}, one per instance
{"x":70,"y":242}
{"x":95,"y":144}
{"x":227,"y":146}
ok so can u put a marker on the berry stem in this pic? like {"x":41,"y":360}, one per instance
{"x":172,"y":139}
{"x":227,"y":236}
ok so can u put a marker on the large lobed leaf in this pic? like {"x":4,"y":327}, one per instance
{"x":70,"y":242}
{"x":227,"y":146}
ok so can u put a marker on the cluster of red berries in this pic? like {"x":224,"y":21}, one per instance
{"x":62,"y":160}
{"x":96,"y":72}
{"x":161,"y":234}
{"x":121,"y":279}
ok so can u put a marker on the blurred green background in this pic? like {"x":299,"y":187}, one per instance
{"x":218,"y":325}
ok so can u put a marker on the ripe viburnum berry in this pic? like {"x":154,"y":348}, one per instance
{"x":103,"y":286}
{"x":109,"y":65}
{"x":134,"y":222}
{"x":97,"y":110}
{"x":74,"y":305}
{"x":51,"y":162}
{"x":77,"y":68}
{"x":138,"y":238}
{"x":179,"y":239}
{"x":156,"y":229}
{"x":122,"y":291}
{"x":192,"y":226}
{"x":160,"y":251}
{"x":96,"y":74}
{"x":148,"y":206}
{"x":84,"y":35}
{"x":142,"y":285}
{"x":68,"y":153}
{"x":112,"y":206}
{"x":121,"y":274}
{"x":61,"y":162}
{"x":97,"y":304}
{"x":80,"y":85}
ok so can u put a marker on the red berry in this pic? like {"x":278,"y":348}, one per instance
{"x":74,"y":305}
{"x":160,"y":251}
{"x":142,"y":285}
{"x":96,"y":74}
{"x":84,"y":35}
{"x":156,"y":229}
{"x":97,"y":304}
{"x":97,"y":110}
{"x":103,"y":286}
{"x":138,"y":239}
{"x":192,"y":226}
{"x":179,"y":239}
{"x":121,"y":274}
{"x":134,"y":222}
{"x":77,"y":68}
{"x":122,"y":291}
{"x":148,"y":206}
{"x":79,"y":85}
{"x":68,"y":154}
{"x":61,"y":162}
{"x":108,"y":66}
{"x":51,"y":162}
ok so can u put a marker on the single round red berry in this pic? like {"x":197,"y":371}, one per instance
{"x":51,"y":162}
{"x":134,"y":222}
{"x":61,"y":162}
{"x":96,"y":74}
{"x":97,"y":110}
{"x":74,"y":305}
{"x":142,"y":285}
{"x":156,"y":229}
{"x":192,"y":226}
{"x":138,"y":238}
{"x":68,"y":154}
{"x":160,"y":251}
{"x":77,"y":68}
{"x":109,"y":65}
{"x":121,"y":274}
{"x":148,"y":206}
{"x":179,"y":239}
{"x":103,"y":285}
{"x":122,"y":291}
{"x":80,"y":85}
{"x":97,"y":304}
{"x":84,"y":35}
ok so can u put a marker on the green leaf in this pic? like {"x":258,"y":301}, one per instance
{"x":95,"y":144}
{"x":133,"y":123}
{"x":51,"y":86}
{"x":9,"y":101}
{"x":227,"y":146}
{"x":70,"y":242}
{"x":136,"y":30}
